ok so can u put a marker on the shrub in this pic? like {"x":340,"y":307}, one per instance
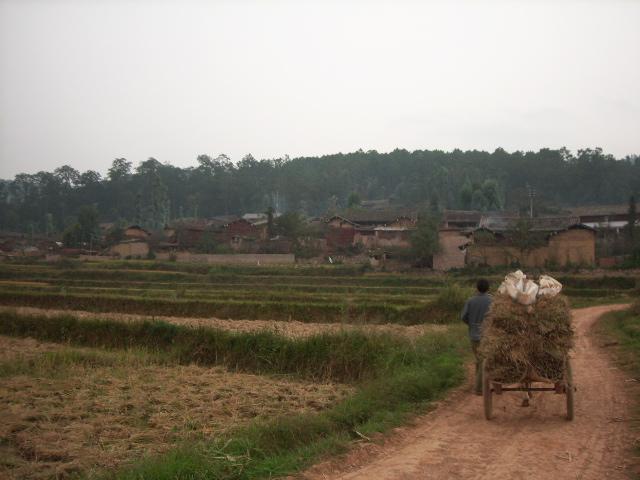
{"x":451,"y":298}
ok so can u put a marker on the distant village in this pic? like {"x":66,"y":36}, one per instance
{"x":375,"y":232}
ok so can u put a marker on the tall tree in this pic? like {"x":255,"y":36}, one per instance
{"x":120,"y":169}
{"x":68,"y":175}
{"x":632,"y":218}
{"x":424,"y":239}
{"x":318,"y":185}
{"x":522,"y":236}
{"x":353,"y":200}
{"x":270,"y":224}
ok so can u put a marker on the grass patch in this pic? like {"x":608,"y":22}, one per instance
{"x":123,"y":282}
{"x":57,"y":363}
{"x":621,"y":331}
{"x":276,"y":270}
{"x":583,"y":302}
{"x":271,"y":295}
{"x":603,"y":281}
{"x":623,"y":327}
{"x":343,"y":357}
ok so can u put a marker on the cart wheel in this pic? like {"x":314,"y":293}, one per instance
{"x":486,"y":392}
{"x":568,"y":388}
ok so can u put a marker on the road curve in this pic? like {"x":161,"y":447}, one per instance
{"x":455,"y":441}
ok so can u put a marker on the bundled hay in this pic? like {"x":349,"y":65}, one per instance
{"x":520,"y":341}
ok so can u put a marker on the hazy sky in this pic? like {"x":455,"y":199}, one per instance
{"x":84,"y":82}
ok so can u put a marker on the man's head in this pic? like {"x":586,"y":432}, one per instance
{"x":483,"y":285}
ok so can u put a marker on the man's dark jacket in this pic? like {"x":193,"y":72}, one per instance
{"x":473,"y":314}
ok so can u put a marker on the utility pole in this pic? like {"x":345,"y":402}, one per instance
{"x":531,"y":192}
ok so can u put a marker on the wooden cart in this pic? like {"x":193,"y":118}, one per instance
{"x":563,"y":387}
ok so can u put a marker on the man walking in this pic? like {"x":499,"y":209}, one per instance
{"x":473,"y":315}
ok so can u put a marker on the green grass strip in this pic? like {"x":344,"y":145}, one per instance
{"x":624,"y":327}
{"x":436,"y":311}
{"x":348,"y":356}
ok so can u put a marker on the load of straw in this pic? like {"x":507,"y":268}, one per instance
{"x":526,"y":342}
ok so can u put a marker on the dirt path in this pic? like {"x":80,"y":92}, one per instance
{"x":456,"y":442}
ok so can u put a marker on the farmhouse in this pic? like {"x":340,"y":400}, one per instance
{"x":558,"y":241}
{"x":238,"y":233}
{"x":130,"y":249}
{"x":134,"y":243}
{"x":136,"y":232}
{"x":190,"y":233}
{"x":453,"y":244}
{"x":461,"y":219}
{"x":371,"y":228}
{"x":247,"y":229}
{"x":391,"y":228}
{"x":610,"y":217}
{"x":610,"y":223}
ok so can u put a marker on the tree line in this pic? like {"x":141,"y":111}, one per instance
{"x":153,"y":193}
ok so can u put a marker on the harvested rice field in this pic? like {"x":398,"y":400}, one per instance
{"x":291,"y":329}
{"x":150,"y":370}
{"x":66,"y":410}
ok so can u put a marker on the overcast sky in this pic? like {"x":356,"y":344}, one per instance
{"x":84,"y":82}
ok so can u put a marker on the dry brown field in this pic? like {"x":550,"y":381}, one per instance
{"x":67,"y":410}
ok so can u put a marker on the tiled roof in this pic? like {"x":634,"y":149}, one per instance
{"x":538,"y":224}
{"x":202,"y":223}
{"x":595,"y":210}
{"x":377,"y":216}
{"x":461,"y":216}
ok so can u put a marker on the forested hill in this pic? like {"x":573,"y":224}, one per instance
{"x":152,"y":192}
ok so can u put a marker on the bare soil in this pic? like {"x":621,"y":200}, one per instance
{"x":292,"y":329}
{"x":84,"y":417}
{"x":454,"y":441}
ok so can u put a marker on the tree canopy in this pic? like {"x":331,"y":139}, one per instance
{"x":154,"y":192}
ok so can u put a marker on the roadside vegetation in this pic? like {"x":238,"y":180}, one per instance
{"x":620,"y":333}
{"x":623,"y":331}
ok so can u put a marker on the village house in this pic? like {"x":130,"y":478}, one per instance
{"x":245,"y":235}
{"x":461,"y":219}
{"x":556,"y":241}
{"x":453,"y":244}
{"x":391,"y":228}
{"x":192,"y":233}
{"x":371,"y":229}
{"x":610,"y":217}
{"x":235,"y":232}
{"x":136,"y":232}
{"x":610,"y":223}
{"x":134,"y":243}
{"x":453,"y":236}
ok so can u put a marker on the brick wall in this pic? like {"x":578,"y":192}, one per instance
{"x":131,"y":249}
{"x":450,"y":255}
{"x":232,"y":259}
{"x":569,"y":247}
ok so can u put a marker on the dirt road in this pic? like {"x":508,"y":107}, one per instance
{"x":456,"y":442}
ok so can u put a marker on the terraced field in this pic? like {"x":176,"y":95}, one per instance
{"x":152,"y":370}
